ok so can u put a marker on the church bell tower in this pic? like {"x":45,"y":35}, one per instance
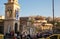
{"x":11,"y":22}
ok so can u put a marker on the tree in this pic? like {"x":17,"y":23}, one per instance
{"x":58,"y":24}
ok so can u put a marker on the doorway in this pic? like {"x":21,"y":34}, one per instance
{"x":16,"y":27}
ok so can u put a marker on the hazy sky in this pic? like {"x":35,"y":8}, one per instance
{"x":34,"y":7}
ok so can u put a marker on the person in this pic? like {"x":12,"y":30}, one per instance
{"x":29,"y":36}
{"x":18,"y":35}
{"x":39,"y":35}
{"x":14,"y":37}
{"x":23,"y":35}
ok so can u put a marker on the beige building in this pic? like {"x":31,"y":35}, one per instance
{"x":47,"y":27}
{"x":38,"y":23}
{"x":11,"y":22}
{"x":2,"y":17}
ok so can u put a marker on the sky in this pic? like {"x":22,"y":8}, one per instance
{"x":34,"y":7}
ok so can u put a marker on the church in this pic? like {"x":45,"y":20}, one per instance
{"x":11,"y":20}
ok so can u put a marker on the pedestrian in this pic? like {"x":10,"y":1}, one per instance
{"x":21,"y":36}
{"x":14,"y":37}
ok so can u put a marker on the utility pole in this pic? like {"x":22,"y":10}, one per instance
{"x":53,"y":13}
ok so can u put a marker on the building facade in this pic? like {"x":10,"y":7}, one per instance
{"x":11,"y":22}
{"x":37,"y":24}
